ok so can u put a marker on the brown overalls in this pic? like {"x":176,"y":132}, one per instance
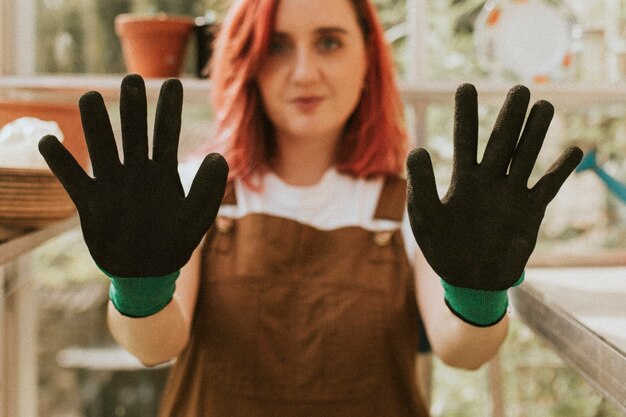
{"x":295,"y":321}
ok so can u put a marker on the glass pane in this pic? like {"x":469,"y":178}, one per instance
{"x":79,"y":36}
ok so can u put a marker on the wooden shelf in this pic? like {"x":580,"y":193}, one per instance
{"x":569,"y":259}
{"x":568,"y":95}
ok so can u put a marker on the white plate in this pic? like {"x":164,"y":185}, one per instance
{"x":527,"y":39}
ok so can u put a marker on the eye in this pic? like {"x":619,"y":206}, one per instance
{"x":329,"y":43}
{"x":278,"y":45}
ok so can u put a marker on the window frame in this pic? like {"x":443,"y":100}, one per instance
{"x":17,"y":37}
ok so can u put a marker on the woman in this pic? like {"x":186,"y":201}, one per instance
{"x":302,"y":300}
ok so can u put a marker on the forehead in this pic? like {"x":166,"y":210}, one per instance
{"x":307,"y":15}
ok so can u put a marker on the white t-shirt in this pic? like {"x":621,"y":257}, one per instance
{"x":336,"y":201}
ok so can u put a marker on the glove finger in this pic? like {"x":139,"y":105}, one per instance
{"x":133,"y":116}
{"x":423,"y":200}
{"x":168,"y":122}
{"x":506,"y":131}
{"x":465,"y":128}
{"x":99,"y":135}
{"x":530,"y":143}
{"x":63,"y":165}
{"x":206,"y":193}
{"x":548,"y":186}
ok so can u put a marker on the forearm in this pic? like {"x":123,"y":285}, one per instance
{"x":161,"y":336}
{"x":154,"y":339}
{"x":458,"y":343}
{"x":455,"y":341}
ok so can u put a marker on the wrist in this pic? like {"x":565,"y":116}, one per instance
{"x":141,"y":296}
{"x":477,"y":307}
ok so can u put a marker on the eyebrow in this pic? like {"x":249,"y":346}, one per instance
{"x":332,"y":29}
{"x":319,"y":31}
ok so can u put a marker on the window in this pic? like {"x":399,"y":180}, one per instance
{"x":17,"y":36}
{"x":78,"y":36}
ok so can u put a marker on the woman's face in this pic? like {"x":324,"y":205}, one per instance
{"x":312,"y":79}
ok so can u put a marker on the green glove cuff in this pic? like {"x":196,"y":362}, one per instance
{"x":480,"y":308}
{"x":141,"y":296}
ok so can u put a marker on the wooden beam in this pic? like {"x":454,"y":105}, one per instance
{"x":7,"y":48}
{"x":3,"y":347}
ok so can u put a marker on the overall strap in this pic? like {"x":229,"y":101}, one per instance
{"x":230,"y":197}
{"x":392,"y":200}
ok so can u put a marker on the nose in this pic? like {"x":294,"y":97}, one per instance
{"x":306,"y":68}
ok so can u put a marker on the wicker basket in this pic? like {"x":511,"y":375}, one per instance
{"x":29,"y":199}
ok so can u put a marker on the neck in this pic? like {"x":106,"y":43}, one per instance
{"x":303,"y":161}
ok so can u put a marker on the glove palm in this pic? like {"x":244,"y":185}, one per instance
{"x":481,"y":234}
{"x":135,"y":218}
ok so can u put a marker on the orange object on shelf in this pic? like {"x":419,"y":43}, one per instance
{"x":67,"y":116}
{"x":493,"y":17}
{"x":541,"y":79}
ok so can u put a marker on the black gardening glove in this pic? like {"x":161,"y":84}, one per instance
{"x":135,"y":217}
{"x":479,"y":237}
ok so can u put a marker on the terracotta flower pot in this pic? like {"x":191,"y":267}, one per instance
{"x":154,"y":46}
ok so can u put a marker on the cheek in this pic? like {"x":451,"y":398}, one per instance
{"x":270,"y":93}
{"x":350,"y":86}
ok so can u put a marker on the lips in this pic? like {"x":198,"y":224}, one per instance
{"x":307,"y":104}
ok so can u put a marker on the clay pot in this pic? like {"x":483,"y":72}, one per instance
{"x":154,"y":46}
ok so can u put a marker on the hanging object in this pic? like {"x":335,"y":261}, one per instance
{"x":589,"y":163}
{"x":526,"y":40}
{"x":206,"y":32}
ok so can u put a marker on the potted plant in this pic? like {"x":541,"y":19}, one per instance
{"x":154,"y":46}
